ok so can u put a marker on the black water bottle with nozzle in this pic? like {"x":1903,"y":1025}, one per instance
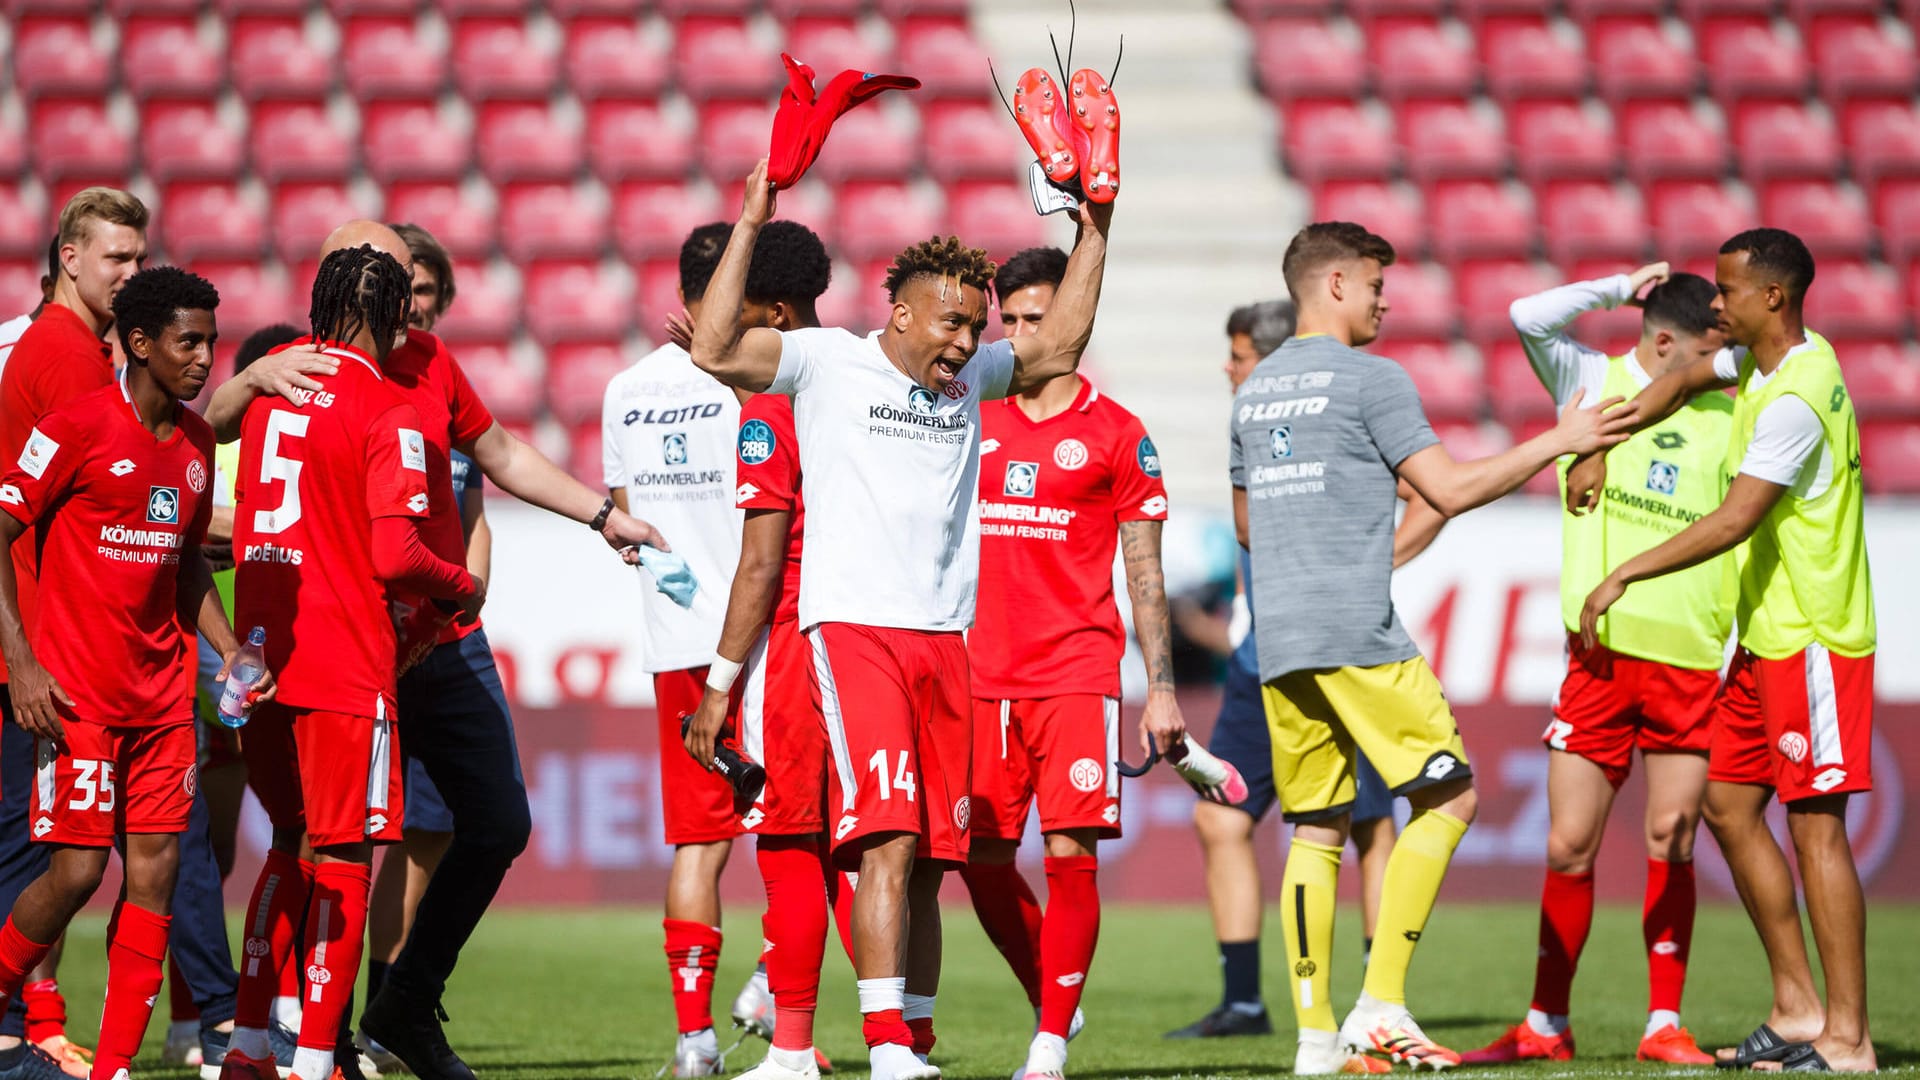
{"x":745,"y":775}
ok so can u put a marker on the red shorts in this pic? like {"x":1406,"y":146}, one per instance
{"x":697,"y":805}
{"x":900,"y":722}
{"x":335,"y":776}
{"x":1802,"y":725}
{"x":113,"y":780}
{"x":780,"y":727}
{"x":1062,"y":748}
{"x":1611,"y":703}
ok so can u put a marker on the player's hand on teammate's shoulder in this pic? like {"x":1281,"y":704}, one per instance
{"x":1585,"y":479}
{"x":36,"y":697}
{"x":286,"y":373}
{"x":1654,"y":273}
{"x":1162,"y":725}
{"x":704,"y":726}
{"x":1586,"y":428}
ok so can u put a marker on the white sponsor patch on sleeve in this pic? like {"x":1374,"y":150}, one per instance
{"x":37,"y":454}
{"x":413,"y":450}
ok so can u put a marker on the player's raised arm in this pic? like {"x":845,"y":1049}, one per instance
{"x":1063,"y":336}
{"x":743,"y":359}
{"x":1562,"y":363}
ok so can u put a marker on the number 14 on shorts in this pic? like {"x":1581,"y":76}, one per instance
{"x":902,"y":779}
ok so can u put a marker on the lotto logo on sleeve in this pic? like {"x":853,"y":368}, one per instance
{"x":11,"y":495}
{"x":37,"y":454}
{"x":163,"y":505}
{"x":673,"y":448}
{"x":413,"y":450}
{"x":417,"y":502}
{"x":1149,"y":457}
{"x":756,"y":442}
{"x":1021,"y":478}
{"x":1662,"y":477}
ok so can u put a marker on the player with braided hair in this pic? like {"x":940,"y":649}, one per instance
{"x":888,"y":427}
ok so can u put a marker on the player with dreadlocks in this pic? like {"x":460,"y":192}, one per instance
{"x":888,"y":427}
{"x":331,"y":494}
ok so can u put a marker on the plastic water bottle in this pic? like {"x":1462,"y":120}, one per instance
{"x":248,"y":665}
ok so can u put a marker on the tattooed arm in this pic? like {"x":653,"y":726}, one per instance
{"x":1161,"y":724}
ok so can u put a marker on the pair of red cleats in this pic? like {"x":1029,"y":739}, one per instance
{"x":1673,"y":1045}
{"x":1075,"y":132}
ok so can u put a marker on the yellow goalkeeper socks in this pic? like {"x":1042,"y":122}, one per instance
{"x":1306,"y":909}
{"x":1414,"y":872}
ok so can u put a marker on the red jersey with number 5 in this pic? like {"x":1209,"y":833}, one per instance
{"x":312,"y":479}
{"x":1052,"y":496}
{"x":768,"y":478}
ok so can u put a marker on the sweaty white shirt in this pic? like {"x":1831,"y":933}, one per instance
{"x":892,"y":535}
{"x":667,"y":437}
{"x":1568,"y":367}
{"x":10,"y":332}
{"x":1789,"y":446}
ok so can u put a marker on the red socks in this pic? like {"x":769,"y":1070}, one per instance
{"x":796,"y":930}
{"x":1566,"y":915}
{"x":693,"y":951}
{"x":921,"y":1029}
{"x":336,"y":936}
{"x":274,"y":916}
{"x":1010,"y":914}
{"x":885,"y":1026}
{"x":46,"y":1010}
{"x":1067,"y":937}
{"x":18,"y":956}
{"x":1667,"y":924}
{"x":136,"y":956}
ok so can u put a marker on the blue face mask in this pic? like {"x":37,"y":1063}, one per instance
{"x":671,"y":574}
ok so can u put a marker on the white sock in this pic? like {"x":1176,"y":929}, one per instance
{"x":308,"y":1062}
{"x":252,"y":1042}
{"x":1547,"y":1023}
{"x":287,"y":1011}
{"x":797,"y":1060}
{"x":1661,"y":1018}
{"x":888,"y":1060}
{"x":879,"y":995}
{"x":916,"y":1006}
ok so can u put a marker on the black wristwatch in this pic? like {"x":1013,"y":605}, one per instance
{"x":600,"y":519}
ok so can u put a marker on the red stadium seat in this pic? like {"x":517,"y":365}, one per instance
{"x":1478,"y":13}
{"x":577,"y":377}
{"x":1890,"y":457}
{"x":487,"y":307}
{"x":1637,"y":59}
{"x":1446,"y":139}
{"x":1776,"y":138}
{"x":1695,"y":11}
{"x":24,"y":228}
{"x":387,"y":57}
{"x":56,"y":57}
{"x":1803,"y":11}
{"x":1393,"y":211}
{"x":521,"y":140}
{"x":1896,"y":207}
{"x":1594,"y":219}
{"x":1560,"y":139}
{"x":1420,"y":301}
{"x":571,"y":9}
{"x":722,"y":58}
{"x":165,"y":58}
{"x":243,"y":8}
{"x":611,"y":58}
{"x":1883,"y":377}
{"x":551,"y":220}
{"x":878,"y":218}
{"x":1832,"y":218}
{"x":1326,"y":140}
{"x":466,"y":226}
{"x":77,"y":138}
{"x":651,"y":218}
{"x":1854,"y":57}
{"x":199,"y":221}
{"x":1466,"y":440}
{"x":876,"y":142}
{"x":1480,"y":219}
{"x":1447,"y":376}
{"x":1513,"y":389}
{"x":574,"y":301}
{"x":632,"y":139}
{"x":1488,"y":288}
{"x":791,"y":9}
{"x":1667,"y":139}
{"x":180,"y":140}
{"x":20,"y":278}
{"x":1417,"y":57}
{"x":1307,"y":58}
{"x":733,"y":137}
{"x":412,"y":140}
{"x":683,"y":9}
{"x":1746,"y":58}
{"x":1587,"y":12}
{"x":511,"y":393}
{"x":303,"y":215}
{"x":298,"y":141}
{"x":1693,"y":218}
{"x":990,"y":215}
{"x":1526,"y":58}
{"x":273,"y":58}
{"x":13,"y":148}
{"x":970,"y":139}
{"x":252,"y":295}
{"x":497,"y":58}
{"x":832,"y":45}
{"x":1856,"y":299}
{"x":464,"y":9}
{"x":943,"y":55}
{"x":657,"y":295}
{"x":346,"y":9}
{"x":1883,"y":139}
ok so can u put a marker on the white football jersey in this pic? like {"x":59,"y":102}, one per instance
{"x":892,"y":534}
{"x":667,"y":436}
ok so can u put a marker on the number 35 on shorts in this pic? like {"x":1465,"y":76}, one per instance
{"x":901,"y":778}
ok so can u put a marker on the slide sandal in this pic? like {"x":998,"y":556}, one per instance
{"x":1764,"y":1044}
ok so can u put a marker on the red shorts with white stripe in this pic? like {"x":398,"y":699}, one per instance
{"x":780,"y":727}
{"x":697,"y":804}
{"x":1802,"y":725}
{"x":113,"y":780}
{"x":900,"y":723}
{"x":335,"y":776}
{"x":1611,"y":703}
{"x":1062,"y":749}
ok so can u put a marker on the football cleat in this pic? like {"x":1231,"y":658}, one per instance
{"x":1321,"y":1054}
{"x":1379,"y":1028}
{"x":1096,"y":115}
{"x":1673,"y":1045}
{"x":213,"y":1049}
{"x":774,"y":1069}
{"x":1213,"y":778}
{"x":1225,"y":1021}
{"x":1042,"y":116}
{"x":753,"y":1007}
{"x":75,"y":1060}
{"x":697,"y":1053}
{"x":238,"y":1066}
{"x":34,"y":1064}
{"x":1521,"y":1043}
{"x":892,"y":1061}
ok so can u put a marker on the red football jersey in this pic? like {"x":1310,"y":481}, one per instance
{"x":1052,"y":497}
{"x":110,"y":508}
{"x":769,"y":479}
{"x":56,"y":360}
{"x":311,"y":479}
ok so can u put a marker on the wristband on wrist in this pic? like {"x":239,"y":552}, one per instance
{"x":600,"y":519}
{"x":721,"y":673}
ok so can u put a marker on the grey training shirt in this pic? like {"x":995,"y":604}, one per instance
{"x":1318,"y":429}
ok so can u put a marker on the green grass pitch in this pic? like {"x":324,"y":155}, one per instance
{"x":569,"y":995}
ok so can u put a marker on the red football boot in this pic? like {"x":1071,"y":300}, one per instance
{"x":1042,"y":116}
{"x":1521,"y":1043}
{"x":1096,"y":113}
